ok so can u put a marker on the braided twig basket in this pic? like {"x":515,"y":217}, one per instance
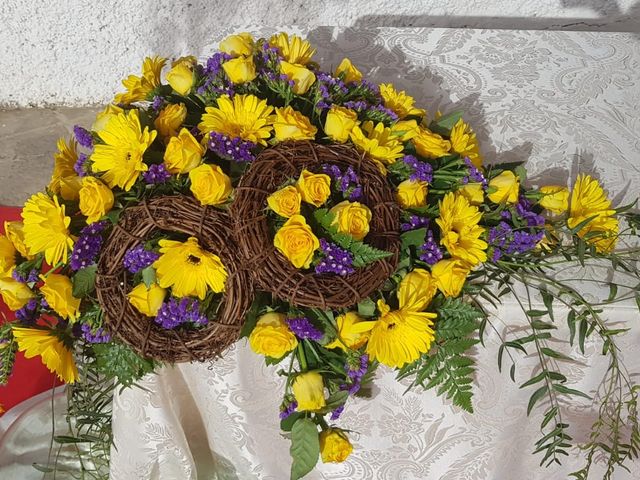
{"x":212,"y":228}
{"x":271,"y":270}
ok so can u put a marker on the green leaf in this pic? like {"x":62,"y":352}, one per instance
{"x":67,"y":439}
{"x":547,"y":299}
{"x":536,"y":313}
{"x":549,"y":352}
{"x":367,"y":308}
{"x":445,"y":123}
{"x":534,"y":380}
{"x":537,"y":395}
{"x":613,"y":291}
{"x":570,"y":391}
{"x":305,"y":447}
{"x":521,"y":172}
{"x":149,"y":276}
{"x":413,"y":238}
{"x":287,"y":424}
{"x":84,"y":281}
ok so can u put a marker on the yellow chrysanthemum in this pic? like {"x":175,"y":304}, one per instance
{"x":465,"y":143}
{"x":46,"y":228}
{"x":399,"y":102}
{"x":188,"y":269}
{"x":63,"y":172}
{"x":120,"y":157}
{"x":401,"y":336}
{"x":380,"y":142}
{"x":15,"y":233}
{"x":293,"y":48}
{"x":138,"y":88}
{"x":588,"y":200}
{"x":246,"y":117}
{"x":461,"y":233}
{"x":55,"y":355}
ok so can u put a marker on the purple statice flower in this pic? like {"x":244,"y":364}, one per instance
{"x":507,"y":241}
{"x":430,"y":253}
{"x":157,"y":173}
{"x":32,"y":277}
{"x":233,"y":148}
{"x":357,"y":105}
{"x":303,"y":328}
{"x":28,"y":313}
{"x":372,"y":87}
{"x":87,"y":247}
{"x":175,"y":312}
{"x":415,"y":222}
{"x":100,"y":335}
{"x":336,"y":413}
{"x":475,"y":174}
{"x":137,"y":258}
{"x":524,"y":210}
{"x":80,"y":166}
{"x":331,"y":81}
{"x":83,"y":136}
{"x":335,"y":260}
{"x":524,"y":241}
{"x":500,"y":235}
{"x":44,"y":303}
{"x":393,"y":116}
{"x":422,"y":171}
{"x":347,"y":182}
{"x":158,"y":103}
{"x":214,"y":63}
{"x":356,"y":370}
{"x":286,"y":411}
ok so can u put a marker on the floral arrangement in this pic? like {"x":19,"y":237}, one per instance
{"x":463,"y":231}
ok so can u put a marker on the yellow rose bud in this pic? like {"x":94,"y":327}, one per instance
{"x":285,"y":202}
{"x":449,"y":276}
{"x":104,"y":116}
{"x":349,"y":72}
{"x":339,"y":123}
{"x":308,"y":390}
{"x":57,"y":291}
{"x":353,"y":332}
{"x":210,"y":184}
{"x":15,"y":294}
{"x":15,"y":233}
{"x":147,"y":300}
{"x":70,"y":187}
{"x":302,"y":77}
{"x":7,"y":256}
{"x":507,"y":188}
{"x":290,"y":124}
{"x":96,"y":199}
{"x":412,"y":194}
{"x":296,"y":241}
{"x":473,"y":192}
{"x":314,"y":188}
{"x":170,"y":119}
{"x":352,"y":218}
{"x":183,"y":153}
{"x":334,"y":446}
{"x":240,"y":69}
{"x":271,"y":336}
{"x":237,"y":45}
{"x":555,"y":199}
{"x":181,"y":77}
{"x":431,"y":145}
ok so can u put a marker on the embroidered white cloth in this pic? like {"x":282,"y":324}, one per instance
{"x":566,"y":103}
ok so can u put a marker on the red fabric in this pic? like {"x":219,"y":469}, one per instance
{"x":30,"y":377}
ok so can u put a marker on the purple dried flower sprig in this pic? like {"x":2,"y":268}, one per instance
{"x":304,"y":329}
{"x":138,"y":258}
{"x":176,"y":312}
{"x":334,"y":260}
{"x":234,"y":149}
{"x":87,"y":247}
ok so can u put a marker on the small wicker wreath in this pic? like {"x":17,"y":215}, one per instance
{"x":212,"y":228}
{"x":271,"y":270}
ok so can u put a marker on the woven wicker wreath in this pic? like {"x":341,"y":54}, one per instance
{"x":271,"y":270}
{"x":212,"y":228}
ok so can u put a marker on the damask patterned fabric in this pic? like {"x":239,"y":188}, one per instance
{"x":566,"y":103}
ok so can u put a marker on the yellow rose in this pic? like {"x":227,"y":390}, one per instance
{"x":314,"y":188}
{"x":15,"y":233}
{"x":290,"y":124}
{"x":57,"y":292}
{"x":70,"y":187}
{"x":271,"y":336}
{"x":236,"y":45}
{"x":210,"y":184}
{"x":449,"y":276}
{"x":296,"y":241}
{"x":308,"y":390}
{"x":406,"y":129}
{"x":353,"y":332}
{"x":14,"y":294}
{"x":96,"y":199}
{"x":349,"y":72}
{"x":181,"y":77}
{"x":302,"y":77}
{"x":285,"y":202}
{"x":147,"y":300}
{"x":339,"y":123}
{"x":104,"y":116}
{"x":431,"y":145}
{"x":170,"y":119}
{"x":507,"y":188}
{"x":473,"y":192}
{"x":334,"y":445}
{"x":7,"y":256}
{"x":240,"y":69}
{"x":412,"y":194}
{"x":555,"y":199}
{"x":352,"y":218}
{"x":183,"y":153}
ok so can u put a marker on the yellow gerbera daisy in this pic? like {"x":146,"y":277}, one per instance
{"x":139,"y":87}
{"x":57,"y":291}
{"x":55,"y":355}
{"x":381,"y":143}
{"x":246,"y":117}
{"x":461,"y":233}
{"x":120,"y":157}
{"x":588,"y":200}
{"x":399,"y":102}
{"x":65,"y":158}
{"x":464,"y":142}
{"x":188,"y":269}
{"x":293,"y":48}
{"x":46,"y":228}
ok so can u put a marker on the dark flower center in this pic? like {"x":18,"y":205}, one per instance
{"x":192,"y":259}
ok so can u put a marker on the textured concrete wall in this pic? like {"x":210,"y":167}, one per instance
{"x":74,"y":52}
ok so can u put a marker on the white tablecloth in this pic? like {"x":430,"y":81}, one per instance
{"x":565,"y":102}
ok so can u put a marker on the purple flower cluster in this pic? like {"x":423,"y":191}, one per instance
{"x":80,"y":166}
{"x":157,"y":173}
{"x":28,"y":313}
{"x":176,"y":312}
{"x":303,"y":328}
{"x":335,"y":260}
{"x":414,"y":223}
{"x":83,"y":136}
{"x":356,"y":371}
{"x":288,"y":409}
{"x":475,"y":174}
{"x":422,"y":171}
{"x":214,"y":63}
{"x":137,"y":258}
{"x":327,"y":85}
{"x":348,"y":182}
{"x":337,"y":412}
{"x":507,"y":241}
{"x":158,"y":103}
{"x":32,"y":277}
{"x":374,"y":111}
{"x":87,"y":247}
{"x":100,"y":335}
{"x":524,"y":210}
{"x":233,"y":148}
{"x":213,"y":82}
{"x":387,"y":112}
{"x":430,"y":253}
